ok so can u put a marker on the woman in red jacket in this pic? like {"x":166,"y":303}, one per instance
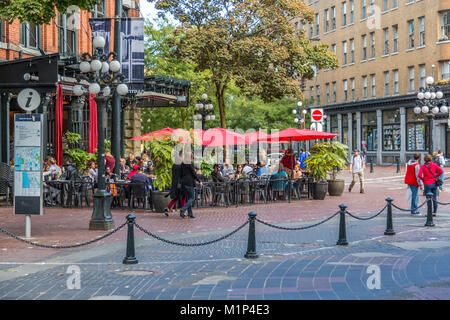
{"x":428,"y":173}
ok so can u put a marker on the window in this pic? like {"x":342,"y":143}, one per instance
{"x":327,"y":92}
{"x":386,"y":83}
{"x":411,"y":79}
{"x":386,"y":40}
{"x":385,"y":5}
{"x":394,"y":4}
{"x":333,"y":48}
{"x":317,"y":24}
{"x":66,"y":37}
{"x":410,"y":34}
{"x":395,"y":39}
{"x":445,"y":69}
{"x":352,"y":50}
{"x":334,"y":124}
{"x":421,"y":31}
{"x":344,"y":13}
{"x":334,"y":92}
{"x":352,"y":11}
{"x":345,"y":85}
{"x":327,"y":20}
{"x":352,"y":89}
{"x":363,"y":9}
{"x":364,"y":47}
{"x":318,"y":95}
{"x":99,"y":10}
{"x":354,"y":130}
{"x":391,"y":130}
{"x":445,"y":25}
{"x":296,"y":28}
{"x":311,"y":91}
{"x":422,"y":76}
{"x":345,"y":129}
{"x":344,"y":53}
{"x":333,"y":18}
{"x":372,"y":45}
{"x":311,"y":30}
{"x":373,"y":92}
{"x":369,"y":130}
{"x":372,"y":8}
{"x":395,"y":80}
{"x":2,"y":30}
{"x":364,"y":85}
{"x":416,"y":131}
{"x":30,"y":35}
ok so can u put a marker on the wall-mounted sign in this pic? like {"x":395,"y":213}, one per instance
{"x":29,"y":99}
{"x":316,"y":115}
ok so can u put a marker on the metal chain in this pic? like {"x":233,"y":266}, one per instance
{"x":369,"y":218}
{"x":189,"y":244}
{"x":408,"y":210}
{"x":443,"y":203}
{"x":299,"y":228}
{"x":61,"y":247}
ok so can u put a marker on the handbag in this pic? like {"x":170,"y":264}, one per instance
{"x":438,"y":181}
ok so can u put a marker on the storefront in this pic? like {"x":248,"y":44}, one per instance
{"x":386,"y":129}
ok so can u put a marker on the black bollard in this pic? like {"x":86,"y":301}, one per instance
{"x":342,"y":234}
{"x":398,"y":164}
{"x":389,"y":226}
{"x":371,"y":165}
{"x":251,"y":245}
{"x":429,"y":222}
{"x":130,"y":256}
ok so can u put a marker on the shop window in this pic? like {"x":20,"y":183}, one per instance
{"x":416,"y":131}
{"x":391,"y":130}
{"x":369,"y":131}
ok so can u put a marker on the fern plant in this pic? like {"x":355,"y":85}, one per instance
{"x":78,"y":156}
{"x":162,"y":160}
{"x":326,"y":158}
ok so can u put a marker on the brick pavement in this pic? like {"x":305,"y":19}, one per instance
{"x":293,"y":264}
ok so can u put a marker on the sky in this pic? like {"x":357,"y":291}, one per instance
{"x":148,"y":10}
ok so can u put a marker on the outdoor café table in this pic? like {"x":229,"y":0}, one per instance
{"x":61,"y":185}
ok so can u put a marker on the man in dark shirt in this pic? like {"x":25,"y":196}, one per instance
{"x":131,"y":161}
{"x":217,"y":175}
{"x":141,"y":178}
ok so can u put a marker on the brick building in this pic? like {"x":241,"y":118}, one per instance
{"x":385,"y":49}
{"x":59,"y":46}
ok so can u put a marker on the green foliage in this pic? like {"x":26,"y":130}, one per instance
{"x":39,"y":12}
{"x":207,"y":168}
{"x":162,"y":159}
{"x":326,"y":157}
{"x":78,"y":156}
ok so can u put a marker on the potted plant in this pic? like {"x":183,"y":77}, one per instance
{"x":338,"y":162}
{"x":162,"y":160}
{"x":326,"y":157}
{"x":78,"y":156}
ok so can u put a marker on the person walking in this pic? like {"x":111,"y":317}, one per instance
{"x":441,"y":165}
{"x":413,"y":181}
{"x":188,"y":178}
{"x":356,"y":168}
{"x":429,"y":173}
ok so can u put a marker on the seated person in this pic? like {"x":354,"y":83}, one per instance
{"x":149,"y":170}
{"x":297,"y":172}
{"x":200,"y":175}
{"x":217,"y":175}
{"x":239,"y":174}
{"x":248,"y":169}
{"x":263,"y":170}
{"x":93,"y":172}
{"x":108,"y":174}
{"x":134,"y":171}
{"x":123,"y":167}
{"x":142,"y":182}
{"x":278,"y":179}
{"x":227,"y":168}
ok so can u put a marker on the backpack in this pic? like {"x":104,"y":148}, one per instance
{"x":436,"y":160}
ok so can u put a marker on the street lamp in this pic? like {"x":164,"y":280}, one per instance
{"x":204,"y":110}
{"x":431,"y":102}
{"x":300,"y":114}
{"x":103,"y":80}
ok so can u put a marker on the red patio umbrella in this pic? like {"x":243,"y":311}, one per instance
{"x":255,"y":136}
{"x":218,"y":137}
{"x":294,"y":134}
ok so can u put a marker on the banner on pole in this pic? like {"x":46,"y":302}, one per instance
{"x":132,"y":53}
{"x":102,"y":27}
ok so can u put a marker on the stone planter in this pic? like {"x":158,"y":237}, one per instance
{"x":160,"y":201}
{"x":320,"y":190}
{"x":336,"y":187}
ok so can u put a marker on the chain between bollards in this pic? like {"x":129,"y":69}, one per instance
{"x":342,"y":234}
{"x":251,"y":245}
{"x":429,"y":222}
{"x":389,"y":225}
{"x":130,"y":254}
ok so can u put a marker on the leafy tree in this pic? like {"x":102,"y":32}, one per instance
{"x":39,"y":11}
{"x":252,"y":42}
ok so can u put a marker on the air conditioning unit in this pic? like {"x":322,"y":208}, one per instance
{"x":129,"y":4}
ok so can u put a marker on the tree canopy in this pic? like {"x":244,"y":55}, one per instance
{"x":39,"y":11}
{"x":250,"y":42}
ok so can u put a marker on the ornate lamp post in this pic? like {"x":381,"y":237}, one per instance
{"x":430,"y":101}
{"x":103,"y":80}
{"x":204,"y":110}
{"x":300,"y":114}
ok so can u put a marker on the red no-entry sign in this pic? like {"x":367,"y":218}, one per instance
{"x":317,"y":115}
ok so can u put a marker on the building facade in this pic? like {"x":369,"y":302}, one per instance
{"x":385,"y":49}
